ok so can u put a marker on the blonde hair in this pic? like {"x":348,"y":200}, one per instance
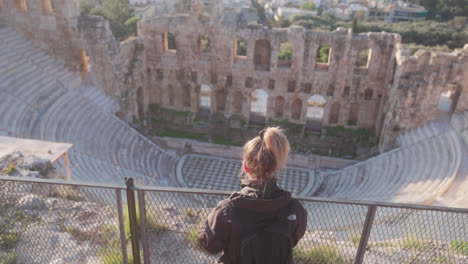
{"x":264,"y":154}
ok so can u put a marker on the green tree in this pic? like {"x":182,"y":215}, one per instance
{"x":308,"y":5}
{"x":285,"y":51}
{"x":85,"y":7}
{"x":323,"y":53}
{"x":121,"y":16}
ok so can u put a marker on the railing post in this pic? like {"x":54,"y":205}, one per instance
{"x":123,"y":240}
{"x":371,"y":209}
{"x":133,"y":220}
{"x":144,"y":231}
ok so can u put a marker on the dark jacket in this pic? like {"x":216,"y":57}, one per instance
{"x":262,"y":200}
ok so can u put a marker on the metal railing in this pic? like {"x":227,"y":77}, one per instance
{"x":42,"y":221}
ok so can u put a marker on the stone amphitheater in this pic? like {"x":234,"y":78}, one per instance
{"x":46,"y":93}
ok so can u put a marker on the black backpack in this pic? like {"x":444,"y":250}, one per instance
{"x":266,"y":238}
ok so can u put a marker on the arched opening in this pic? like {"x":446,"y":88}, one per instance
{"x":170,"y":95}
{"x":291,"y":86}
{"x":258,"y":106}
{"x":204,"y":44}
{"x":205,"y":101}
{"x":296,"y":109}
{"x":368,"y":94}
{"x":169,"y":42}
{"x":186,"y":95}
{"x":84,"y":66}
{"x":346,"y":92}
{"x":363,"y":58}
{"x":21,"y":6}
{"x":237,"y":102}
{"x":220,"y":100}
{"x":279,"y":107}
{"x":285,"y":55}
{"x":240,"y":48}
{"x":47,"y":7}
{"x":141,"y":108}
{"x":449,"y":98}
{"x":323,"y":56}
{"x":315,"y":112}
{"x":262,"y":55}
{"x":353,"y":115}
{"x":334,"y":113}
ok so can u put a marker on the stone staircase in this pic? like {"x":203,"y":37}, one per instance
{"x":41,"y":99}
{"x":422,"y":169}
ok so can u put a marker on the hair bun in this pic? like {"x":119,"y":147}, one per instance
{"x":276,"y":141}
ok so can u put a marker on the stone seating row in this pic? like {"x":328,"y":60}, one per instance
{"x":39,"y":99}
{"x":417,"y":173}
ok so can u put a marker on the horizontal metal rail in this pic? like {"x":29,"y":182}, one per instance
{"x":225,"y":193}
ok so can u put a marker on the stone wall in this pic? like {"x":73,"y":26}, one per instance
{"x":394,"y":93}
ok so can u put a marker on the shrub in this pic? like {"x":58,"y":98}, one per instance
{"x":309,"y":5}
{"x":323,"y":254}
{"x":152,"y":223}
{"x":69,"y":193}
{"x":460,"y":246}
{"x":192,"y":235}
{"x":11,"y":170}
{"x":9,"y":240}
{"x":412,"y":243}
{"x":8,"y":257}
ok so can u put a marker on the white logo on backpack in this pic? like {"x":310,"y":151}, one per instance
{"x":292,"y":217}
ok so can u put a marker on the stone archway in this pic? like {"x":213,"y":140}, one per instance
{"x":296,"y":109}
{"x":262,"y":53}
{"x":237,"y":102}
{"x":258,"y":106}
{"x":315,"y":112}
{"x":449,"y":97}
{"x":279,"y":107}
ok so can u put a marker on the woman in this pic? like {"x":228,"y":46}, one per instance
{"x":261,"y":223}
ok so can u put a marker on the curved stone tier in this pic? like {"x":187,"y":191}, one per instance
{"x":41,"y":99}
{"x":422,"y":169}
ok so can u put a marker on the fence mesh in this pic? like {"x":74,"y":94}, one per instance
{"x":59,"y":223}
{"x":53,"y":223}
{"x":418,"y":236}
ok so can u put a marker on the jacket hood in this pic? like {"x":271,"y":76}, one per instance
{"x":262,"y":196}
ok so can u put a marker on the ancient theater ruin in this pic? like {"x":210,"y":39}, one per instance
{"x":64,"y":77}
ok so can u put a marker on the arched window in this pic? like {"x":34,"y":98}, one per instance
{"x":240,"y":48}
{"x":363,"y":58}
{"x":315,"y":112}
{"x":170,"y":95}
{"x":204,"y":43}
{"x":21,"y":6}
{"x":258,"y":106}
{"x":334,"y":113}
{"x":262,"y":54}
{"x":186,"y":95}
{"x":47,"y":7}
{"x":237,"y":102}
{"x":205,"y":97}
{"x":169,"y":42}
{"x":285,"y":55}
{"x":368,"y":94}
{"x":84,"y":63}
{"x":220,"y":100}
{"x":279,"y":107}
{"x":353,"y":115}
{"x":346,"y":92}
{"x":323,"y":55}
{"x":449,"y":97}
{"x":296,"y":109}
{"x":140,"y":103}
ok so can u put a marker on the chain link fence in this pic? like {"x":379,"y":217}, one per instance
{"x":44,"y":221}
